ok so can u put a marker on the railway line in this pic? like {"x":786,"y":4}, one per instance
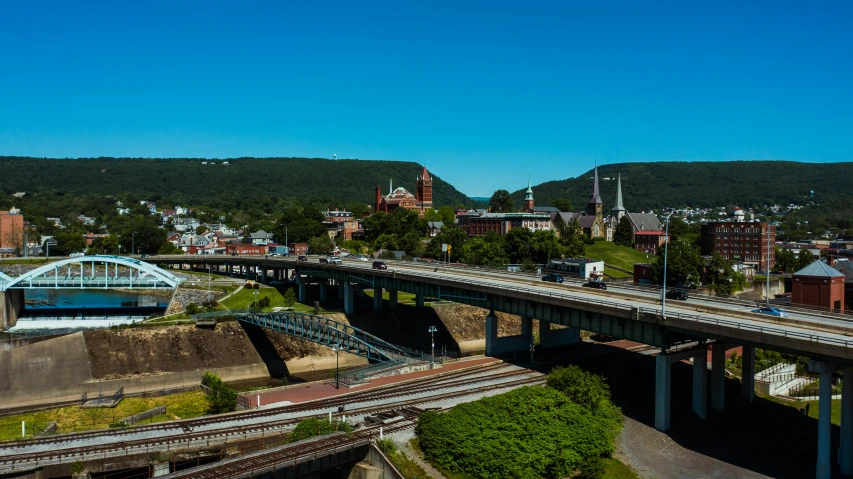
{"x":183,"y":436}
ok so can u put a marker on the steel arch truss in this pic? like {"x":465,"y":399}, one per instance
{"x":148,"y":276}
{"x":328,"y":332}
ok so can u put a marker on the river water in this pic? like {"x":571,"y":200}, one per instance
{"x":50,"y":311}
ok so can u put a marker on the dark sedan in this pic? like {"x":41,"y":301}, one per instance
{"x":553,"y":278}
{"x":679,"y":294}
{"x":595,"y":284}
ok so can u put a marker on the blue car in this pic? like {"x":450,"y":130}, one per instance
{"x":553,"y":278}
{"x":771,"y":311}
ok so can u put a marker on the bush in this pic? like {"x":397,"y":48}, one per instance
{"x":582,"y":388}
{"x":317,"y":427}
{"x":221,"y":398}
{"x":193,"y":308}
{"x":289,"y":298}
{"x":528,"y":433}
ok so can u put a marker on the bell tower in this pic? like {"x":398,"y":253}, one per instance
{"x":594,"y":206}
{"x":424,"y":191}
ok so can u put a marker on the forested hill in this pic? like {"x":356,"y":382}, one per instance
{"x":702,"y":184}
{"x":187,"y":180}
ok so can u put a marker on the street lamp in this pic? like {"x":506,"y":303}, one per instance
{"x":133,"y":244}
{"x":255,"y":294}
{"x":767,"y":269}
{"x":336,"y":348}
{"x":663,"y":287}
{"x":432,"y":331}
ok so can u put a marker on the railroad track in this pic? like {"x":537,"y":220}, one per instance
{"x":191,"y":424}
{"x":191,"y":440}
{"x":272,"y":460}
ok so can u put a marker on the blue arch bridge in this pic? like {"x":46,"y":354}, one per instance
{"x":85,"y":272}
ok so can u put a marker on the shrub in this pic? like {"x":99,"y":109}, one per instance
{"x":289,"y":298}
{"x":221,"y":398}
{"x":193,"y":308}
{"x":528,"y":433}
{"x":317,"y":427}
{"x":582,"y":388}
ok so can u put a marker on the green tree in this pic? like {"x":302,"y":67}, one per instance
{"x":572,"y":238}
{"x":289,"y":298}
{"x":624,"y":235}
{"x":320,"y":245}
{"x":221,"y":397}
{"x":583,"y":388}
{"x":683,"y":265}
{"x":501,"y":202}
{"x":544,"y":246}
{"x":562,"y":204}
{"x":518,"y":245}
{"x":447,"y":215}
{"x":452,"y":235}
{"x":105,"y":245}
{"x":723,"y":279}
{"x":481,"y":251}
{"x":67,"y":242}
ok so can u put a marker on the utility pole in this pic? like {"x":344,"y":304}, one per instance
{"x":432,"y":331}
{"x":663,"y":288}
{"x":767,"y":286}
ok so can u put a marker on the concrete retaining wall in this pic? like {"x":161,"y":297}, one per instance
{"x":11,"y":306}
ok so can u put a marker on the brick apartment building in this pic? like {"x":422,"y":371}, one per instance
{"x":11,"y":232}
{"x":501,"y":223}
{"x":649,"y":241}
{"x":741,"y":242}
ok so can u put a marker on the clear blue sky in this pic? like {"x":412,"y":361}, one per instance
{"x":484,"y":94}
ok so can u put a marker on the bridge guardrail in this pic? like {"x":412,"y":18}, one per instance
{"x":754,"y":327}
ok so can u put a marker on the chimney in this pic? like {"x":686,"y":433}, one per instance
{"x":378,"y":196}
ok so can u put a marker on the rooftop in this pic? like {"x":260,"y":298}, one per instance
{"x":819,"y":268}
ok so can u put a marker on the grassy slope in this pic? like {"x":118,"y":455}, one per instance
{"x":245,"y":297}
{"x":614,"y":469}
{"x":73,"y":418}
{"x":616,"y":255}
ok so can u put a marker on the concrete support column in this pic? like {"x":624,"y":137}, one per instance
{"x":748,"y":373}
{"x":491,"y":333}
{"x":549,"y":338}
{"x":824,"y":425}
{"x":340,"y":291}
{"x":322,"y":290}
{"x":360,"y":292}
{"x":264,"y":275}
{"x":11,"y":306}
{"x":229,"y":269}
{"x":377,"y":299}
{"x":718,"y":377}
{"x":302,"y":293}
{"x":419,"y":301}
{"x":700,"y":384}
{"x":392,"y":299}
{"x":846,"y":451}
{"x":527,"y":329}
{"x":663,"y":380}
{"x":349,"y":299}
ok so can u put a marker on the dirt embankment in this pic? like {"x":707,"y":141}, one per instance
{"x":467,"y":323}
{"x":115,"y":354}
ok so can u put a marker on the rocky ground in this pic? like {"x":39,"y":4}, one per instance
{"x":185,"y":296}
{"x":119,"y":353}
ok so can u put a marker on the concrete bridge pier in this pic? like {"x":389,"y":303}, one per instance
{"x":549,"y":338}
{"x":302,"y":292}
{"x":349,"y":299}
{"x":392,"y":299}
{"x":520,"y":343}
{"x":748,"y":373}
{"x":718,"y":377}
{"x":11,"y":306}
{"x":419,"y":301}
{"x":824,"y":425}
{"x":377,"y":299}
{"x":229,"y":270}
{"x":322,"y":290}
{"x":341,"y":291}
{"x":846,"y":450}
{"x":264,"y":275}
{"x":700,"y":383}
{"x":663,"y":384}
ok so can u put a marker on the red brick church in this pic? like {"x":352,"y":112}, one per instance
{"x":401,"y":198}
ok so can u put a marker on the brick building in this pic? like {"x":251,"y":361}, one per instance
{"x":12,"y":230}
{"x":741,"y":242}
{"x":401,"y":198}
{"x":501,"y":223}
{"x":819,"y":285}
{"x":649,"y":241}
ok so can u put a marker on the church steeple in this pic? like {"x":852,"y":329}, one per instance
{"x":528,"y":197}
{"x":593,"y":207}
{"x":618,"y":211}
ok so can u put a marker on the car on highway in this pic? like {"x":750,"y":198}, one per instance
{"x":273,"y":255}
{"x":302,"y":257}
{"x":771,"y":311}
{"x":379,"y":265}
{"x":553,"y":278}
{"x":76,"y":255}
{"x":595,"y":284}
{"x":679,"y":294}
{"x":361,"y":257}
{"x":334,"y":260}
{"x":143,"y":255}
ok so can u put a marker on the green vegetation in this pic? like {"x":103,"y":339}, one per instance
{"x":266,"y":299}
{"x":234,"y":185}
{"x":75,"y":418}
{"x":618,"y":256}
{"x":614,"y":469}
{"x":647,"y":186}
{"x":317,"y":427}
{"x":531,"y":432}
{"x":787,"y":262}
{"x":222,"y":398}
{"x":407,"y":467}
